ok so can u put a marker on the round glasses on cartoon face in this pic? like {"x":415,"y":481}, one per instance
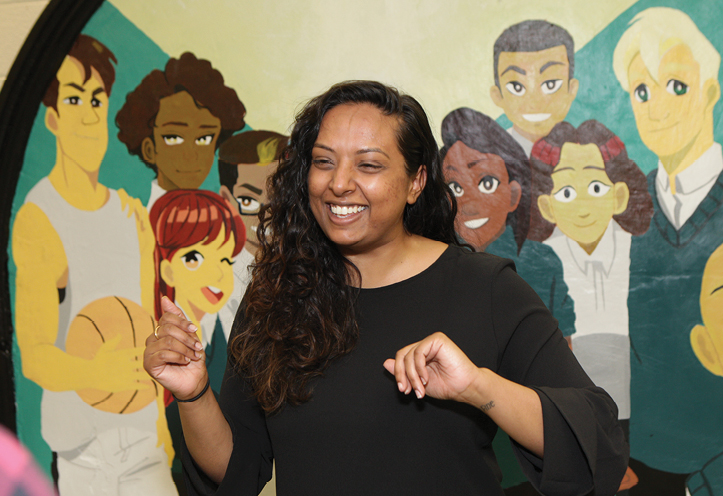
{"x":535,"y":89}
{"x":485,"y":195}
{"x":583,"y":199}
{"x":249,"y":195}
{"x":202,"y":274}
{"x":80,"y":123}
{"x":184,"y":142}
{"x":671,"y":110}
{"x":358,"y":182}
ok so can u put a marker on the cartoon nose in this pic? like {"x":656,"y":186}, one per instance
{"x":657,"y":112}
{"x":91,"y":116}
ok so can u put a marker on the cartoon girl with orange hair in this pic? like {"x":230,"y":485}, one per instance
{"x":198,"y":234}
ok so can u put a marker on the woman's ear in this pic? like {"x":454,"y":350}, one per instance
{"x":420,"y":180}
{"x":545,"y":206}
{"x":621,"y":194}
{"x":167,"y":273}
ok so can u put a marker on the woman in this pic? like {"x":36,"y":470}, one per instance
{"x":358,"y":259}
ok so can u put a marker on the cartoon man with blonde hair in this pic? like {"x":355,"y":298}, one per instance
{"x":670,"y":70}
{"x":77,"y":242}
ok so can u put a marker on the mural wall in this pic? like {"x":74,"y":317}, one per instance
{"x":580,"y":141}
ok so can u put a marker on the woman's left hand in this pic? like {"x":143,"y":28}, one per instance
{"x":434,"y":366}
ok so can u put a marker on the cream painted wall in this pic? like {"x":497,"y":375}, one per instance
{"x":16,"y":19}
{"x":273,"y":79}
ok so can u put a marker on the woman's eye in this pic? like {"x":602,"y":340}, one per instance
{"x":457,"y":190}
{"x":73,"y":100}
{"x":488,"y":184}
{"x":515,"y":88}
{"x":204,"y":140}
{"x":322,"y":163}
{"x":248,"y":205}
{"x":551,"y":85}
{"x":192,"y":260}
{"x":596,"y":188}
{"x":566,"y":194}
{"x":676,"y":87}
{"x":642,"y":94}
{"x":172,"y":139}
{"x":96,"y":103}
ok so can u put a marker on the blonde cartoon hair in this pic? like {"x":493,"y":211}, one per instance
{"x":652,"y":33}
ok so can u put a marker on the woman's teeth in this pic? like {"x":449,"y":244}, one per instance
{"x":346,"y":210}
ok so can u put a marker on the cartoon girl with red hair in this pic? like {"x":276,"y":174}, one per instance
{"x":198,"y":234}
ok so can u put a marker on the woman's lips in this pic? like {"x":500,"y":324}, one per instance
{"x":212,"y":294}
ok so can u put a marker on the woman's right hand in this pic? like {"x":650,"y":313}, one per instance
{"x":174,"y":355}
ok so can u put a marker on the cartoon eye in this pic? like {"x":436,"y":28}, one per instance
{"x":192,"y":260}
{"x":73,"y":100}
{"x":96,"y":103}
{"x":457,"y":190}
{"x":642,"y":93}
{"x":515,"y":88}
{"x":204,"y":140}
{"x":248,"y":205}
{"x":172,"y":139}
{"x":550,"y":86}
{"x":677,"y":88}
{"x":488,"y":184}
{"x":566,"y":194}
{"x":597,"y":188}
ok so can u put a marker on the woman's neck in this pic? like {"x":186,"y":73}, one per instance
{"x":395,"y":262}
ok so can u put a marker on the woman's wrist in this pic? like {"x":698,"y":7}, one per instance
{"x":479,"y":393}
{"x":199,"y":392}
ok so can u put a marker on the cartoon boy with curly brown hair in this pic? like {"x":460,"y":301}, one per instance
{"x":176,"y":119}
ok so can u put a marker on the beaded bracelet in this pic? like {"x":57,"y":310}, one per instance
{"x":205,"y":388}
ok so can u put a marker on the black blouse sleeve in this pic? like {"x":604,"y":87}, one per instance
{"x":585,"y":448}
{"x":249,"y":468}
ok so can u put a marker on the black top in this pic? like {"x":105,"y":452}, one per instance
{"x":359,"y":435}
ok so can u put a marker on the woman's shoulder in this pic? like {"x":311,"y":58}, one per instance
{"x":463,"y":260}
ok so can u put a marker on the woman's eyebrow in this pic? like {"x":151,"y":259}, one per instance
{"x":595,"y":167}
{"x":372,"y":150}
{"x":716,"y":289}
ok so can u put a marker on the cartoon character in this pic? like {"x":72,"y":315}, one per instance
{"x":76,"y":241}
{"x":245,"y":161}
{"x":591,"y":200}
{"x":489,"y":174}
{"x":176,"y":119}
{"x":198,"y":234}
{"x":707,"y":339}
{"x":670,"y":70}
{"x":534,"y":62}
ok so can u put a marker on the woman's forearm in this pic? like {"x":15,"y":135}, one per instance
{"x":207,"y":434}
{"x":516,"y":409}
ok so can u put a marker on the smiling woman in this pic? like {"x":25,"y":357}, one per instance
{"x":358,"y":259}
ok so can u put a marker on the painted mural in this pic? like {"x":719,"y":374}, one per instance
{"x":582,"y":144}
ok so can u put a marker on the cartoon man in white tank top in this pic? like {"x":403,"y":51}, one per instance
{"x":74,"y":242}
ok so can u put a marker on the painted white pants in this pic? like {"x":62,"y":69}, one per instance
{"x":118,"y":462}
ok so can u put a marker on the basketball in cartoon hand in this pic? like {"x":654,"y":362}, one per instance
{"x":99,"y":322}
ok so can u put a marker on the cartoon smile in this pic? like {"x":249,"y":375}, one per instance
{"x":536,"y":117}
{"x":476,"y":223}
{"x":212,"y":294}
{"x":344,"y":211}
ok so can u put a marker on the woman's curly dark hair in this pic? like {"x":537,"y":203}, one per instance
{"x":298,"y":313}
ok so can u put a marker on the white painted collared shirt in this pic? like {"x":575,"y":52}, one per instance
{"x":156,"y":193}
{"x":524,"y":142}
{"x":241,"y":279}
{"x":598,"y":283}
{"x":691,"y":186}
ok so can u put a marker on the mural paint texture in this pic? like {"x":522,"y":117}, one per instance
{"x":155,"y":190}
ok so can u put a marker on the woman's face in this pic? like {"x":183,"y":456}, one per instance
{"x":583,"y":198}
{"x":202,"y":274}
{"x":358,"y":182}
{"x":485,"y":194}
